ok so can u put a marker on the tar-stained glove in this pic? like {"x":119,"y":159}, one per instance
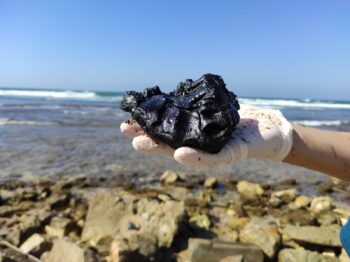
{"x":261,"y":133}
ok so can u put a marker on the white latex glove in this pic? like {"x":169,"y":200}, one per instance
{"x":261,"y":133}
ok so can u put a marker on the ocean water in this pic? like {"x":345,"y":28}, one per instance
{"x":71,"y":133}
{"x":22,"y":107}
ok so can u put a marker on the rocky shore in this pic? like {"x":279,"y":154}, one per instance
{"x":170,"y":218}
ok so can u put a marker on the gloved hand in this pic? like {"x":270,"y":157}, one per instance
{"x":261,"y":133}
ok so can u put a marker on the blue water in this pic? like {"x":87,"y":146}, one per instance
{"x":48,"y":106}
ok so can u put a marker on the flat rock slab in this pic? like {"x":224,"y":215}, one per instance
{"x":325,"y":236}
{"x":63,"y":251}
{"x":203,"y":250}
{"x":263,"y":233}
{"x":301,"y":255}
{"x":145,"y":224}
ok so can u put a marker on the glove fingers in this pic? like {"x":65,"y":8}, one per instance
{"x":194,"y":157}
{"x":145,"y":144}
{"x":131,"y":128}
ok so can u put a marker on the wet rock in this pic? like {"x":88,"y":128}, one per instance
{"x":210,"y":182}
{"x":262,"y":232}
{"x":321,"y":204}
{"x":298,"y":255}
{"x":169,"y":177}
{"x":249,"y":192}
{"x":202,"y":250}
{"x":36,"y":245}
{"x":200,"y":114}
{"x":324,"y":236}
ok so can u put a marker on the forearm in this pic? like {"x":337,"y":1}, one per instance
{"x":328,"y":152}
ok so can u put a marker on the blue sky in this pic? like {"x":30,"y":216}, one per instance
{"x":261,"y":48}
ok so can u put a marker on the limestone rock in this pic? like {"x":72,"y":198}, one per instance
{"x":59,"y":227}
{"x":146,"y":224}
{"x":238,"y":258}
{"x":137,"y":248}
{"x":27,"y":225}
{"x":35,"y":245}
{"x":262,"y":232}
{"x":104,"y":213}
{"x":249,"y":192}
{"x":169,"y":177}
{"x":325,"y":236}
{"x":321,"y":204}
{"x":301,"y":255}
{"x":63,"y":251}
{"x":210,"y":182}
{"x":285,"y":195}
{"x":327,"y":218}
{"x":238,"y":222}
{"x":201,"y":221}
{"x":300,"y":202}
{"x":203,"y":250}
{"x":344,"y":256}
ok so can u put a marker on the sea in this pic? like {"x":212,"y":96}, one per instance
{"x":57,"y":107}
{"x":76,"y":133}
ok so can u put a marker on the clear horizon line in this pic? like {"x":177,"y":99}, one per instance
{"x":107,"y":91}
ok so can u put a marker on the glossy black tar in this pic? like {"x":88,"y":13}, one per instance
{"x":200,"y":114}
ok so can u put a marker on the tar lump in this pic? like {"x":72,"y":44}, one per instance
{"x":201,"y":114}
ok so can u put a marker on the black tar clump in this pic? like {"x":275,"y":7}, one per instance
{"x":200,"y":114}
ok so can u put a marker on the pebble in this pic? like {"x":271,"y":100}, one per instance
{"x":298,"y":255}
{"x":321,"y":204}
{"x":210,"y":182}
{"x":201,"y":221}
{"x":250,"y":192}
{"x":169,"y":177}
{"x":300,"y":202}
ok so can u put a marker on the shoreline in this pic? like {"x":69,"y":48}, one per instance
{"x":45,"y":216}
